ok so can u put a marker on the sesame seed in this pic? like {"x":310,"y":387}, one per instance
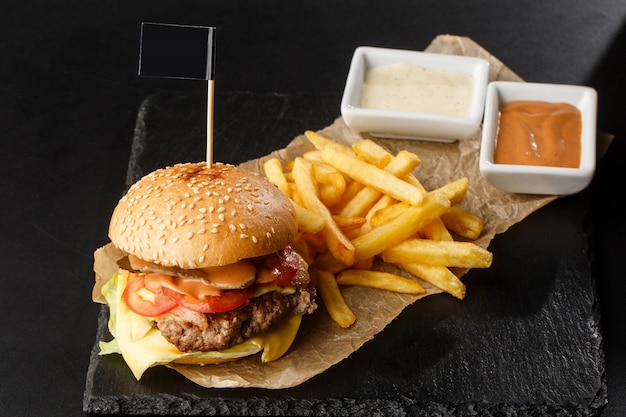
{"x":189,"y":235}
{"x":201,"y":259}
{"x":214,"y":230}
{"x":232,"y":227}
{"x":202,"y":231}
{"x":221,"y":209}
{"x":242,"y":226}
{"x":205,"y":247}
{"x":243,"y":236}
{"x":221,"y":216}
{"x":254,"y":239}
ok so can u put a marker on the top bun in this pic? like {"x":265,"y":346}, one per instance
{"x":192,"y":216}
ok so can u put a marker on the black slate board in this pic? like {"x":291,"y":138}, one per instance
{"x":524,"y":342}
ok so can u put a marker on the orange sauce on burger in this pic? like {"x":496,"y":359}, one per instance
{"x":539,"y":133}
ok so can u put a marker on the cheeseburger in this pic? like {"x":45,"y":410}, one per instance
{"x":206,"y":272}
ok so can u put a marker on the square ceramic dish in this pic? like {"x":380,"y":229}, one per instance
{"x":536,"y":179}
{"x":430,"y":124}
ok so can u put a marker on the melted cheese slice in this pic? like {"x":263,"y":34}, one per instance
{"x":143,"y":346}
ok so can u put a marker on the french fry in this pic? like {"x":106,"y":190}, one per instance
{"x":383,"y":202}
{"x":328,"y":175}
{"x":440,"y":253}
{"x":273,"y":170}
{"x":435,"y":230}
{"x":321,"y":142}
{"x":372,"y":176}
{"x":315,"y":155}
{"x":333,"y":299}
{"x":455,"y":190}
{"x":329,"y":194}
{"x":439,"y":276}
{"x":462,"y":222}
{"x":387,"y":214}
{"x":372,"y":153}
{"x":338,"y":244}
{"x":352,"y":189}
{"x":295,"y":195}
{"x":315,"y":242}
{"x":349,"y":223}
{"x":379,"y":280}
{"x":400,"y":166}
{"x":402,"y":227}
{"x":308,"y":221}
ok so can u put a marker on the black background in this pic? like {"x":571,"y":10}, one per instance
{"x":68,"y":104}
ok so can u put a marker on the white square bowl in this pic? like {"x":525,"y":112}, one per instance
{"x":411,"y":124}
{"x":530,"y":179}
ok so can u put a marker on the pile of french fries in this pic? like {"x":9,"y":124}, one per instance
{"x":355,"y":204}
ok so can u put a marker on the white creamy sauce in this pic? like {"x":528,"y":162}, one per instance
{"x":409,"y":87}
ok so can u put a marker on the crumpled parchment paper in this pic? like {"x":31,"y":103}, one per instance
{"x":321,"y":343}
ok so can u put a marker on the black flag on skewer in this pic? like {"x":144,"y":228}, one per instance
{"x":177,"y":51}
{"x":181,"y":51}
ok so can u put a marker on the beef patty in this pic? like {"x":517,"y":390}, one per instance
{"x":193,"y":331}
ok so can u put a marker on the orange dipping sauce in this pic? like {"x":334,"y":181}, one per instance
{"x":539,"y":133}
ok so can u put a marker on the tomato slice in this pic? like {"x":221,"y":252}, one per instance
{"x":229,"y":300}
{"x":140,"y":305}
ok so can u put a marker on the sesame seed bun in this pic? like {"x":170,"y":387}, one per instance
{"x":192,"y":216}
